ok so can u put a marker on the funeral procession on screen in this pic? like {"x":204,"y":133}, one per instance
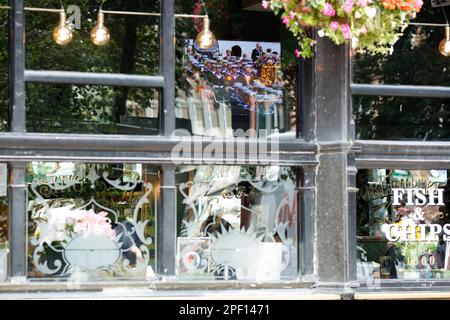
{"x":241,"y":84}
{"x":238,"y":221}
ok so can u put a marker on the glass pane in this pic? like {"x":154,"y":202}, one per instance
{"x":4,"y":68}
{"x":403,"y":224}
{"x":415,"y":60}
{"x":3,"y":222}
{"x":91,"y":221}
{"x":249,"y":80}
{"x":237,"y":223}
{"x":398,"y":118}
{"x":92,"y":109}
{"x":133,"y":47}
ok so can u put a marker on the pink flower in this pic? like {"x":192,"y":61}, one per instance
{"x":286,"y":20}
{"x":92,"y":223}
{"x":334,"y":25}
{"x":292,"y":15}
{"x":418,"y":5}
{"x":265,"y":4}
{"x":297,"y":53}
{"x":345,"y":28}
{"x":362,"y":3}
{"x":363,"y":30}
{"x":348,"y":6}
{"x":328,"y":10}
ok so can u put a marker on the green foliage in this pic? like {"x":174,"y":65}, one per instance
{"x":411,"y":251}
{"x":83,"y":109}
{"x":369,"y":25}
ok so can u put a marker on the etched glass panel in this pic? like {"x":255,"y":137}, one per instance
{"x":91,"y":221}
{"x":237,"y":223}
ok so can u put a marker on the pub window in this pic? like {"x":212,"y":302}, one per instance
{"x":416,"y":60}
{"x":237,"y":223}
{"x":401,"y":118}
{"x":133,"y":49}
{"x":85,"y":109}
{"x":91,"y":221}
{"x":248,"y":81}
{"x":403,"y":225}
{"x":93,"y":217}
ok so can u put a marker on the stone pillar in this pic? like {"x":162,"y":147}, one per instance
{"x":334,"y":234}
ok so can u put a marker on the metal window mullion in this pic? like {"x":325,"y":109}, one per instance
{"x":167,"y":66}
{"x":17,"y":220}
{"x":167,"y":223}
{"x":167,"y":215}
{"x":378,"y":162}
{"x":411,"y":91}
{"x":16,"y":181}
{"x":307,"y":176}
{"x":17,"y":66}
{"x":402,"y":154}
{"x":352,"y":217}
{"x":351,"y":179}
{"x":93,"y":78}
{"x":307,"y":215}
{"x":52,"y":141}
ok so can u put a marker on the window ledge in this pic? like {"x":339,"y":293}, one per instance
{"x":54,"y":286}
{"x":405,"y":295}
{"x":166,"y":291}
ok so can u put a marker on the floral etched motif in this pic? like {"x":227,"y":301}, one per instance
{"x":94,"y":223}
{"x":75,"y":234}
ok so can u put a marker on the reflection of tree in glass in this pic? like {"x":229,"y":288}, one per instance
{"x":415,"y":61}
{"x":133,"y":49}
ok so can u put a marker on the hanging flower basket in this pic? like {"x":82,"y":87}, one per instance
{"x":372,"y":26}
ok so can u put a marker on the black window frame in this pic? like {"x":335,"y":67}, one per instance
{"x":398,"y":154}
{"x":18,"y":147}
{"x":327,"y":154}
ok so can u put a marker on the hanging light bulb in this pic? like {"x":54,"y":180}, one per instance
{"x":63,"y":33}
{"x":444,"y":45}
{"x":206,"y":39}
{"x":100,"y":34}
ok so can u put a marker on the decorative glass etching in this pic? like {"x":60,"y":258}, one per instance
{"x":245,"y":219}
{"x":90,"y":221}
